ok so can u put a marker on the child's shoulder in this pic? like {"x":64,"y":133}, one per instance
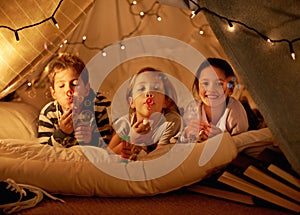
{"x":50,"y":106}
{"x":173,"y":116}
{"x":101,"y":100}
{"x":234,"y":104}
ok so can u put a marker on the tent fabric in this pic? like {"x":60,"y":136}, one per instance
{"x":267,"y":70}
{"x":19,"y":59}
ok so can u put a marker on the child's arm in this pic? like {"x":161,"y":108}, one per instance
{"x":49,"y":131}
{"x":237,"y":120}
{"x":115,"y":143}
{"x":173,"y":128}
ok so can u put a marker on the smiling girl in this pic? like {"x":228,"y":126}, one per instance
{"x":218,"y":111}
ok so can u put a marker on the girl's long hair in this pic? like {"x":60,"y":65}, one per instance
{"x":170,"y":92}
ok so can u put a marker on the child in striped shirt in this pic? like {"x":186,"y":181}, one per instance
{"x":76,"y":115}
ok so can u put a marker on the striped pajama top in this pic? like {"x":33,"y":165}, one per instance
{"x":50,"y":133}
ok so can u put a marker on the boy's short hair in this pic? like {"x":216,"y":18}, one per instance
{"x":64,"y":61}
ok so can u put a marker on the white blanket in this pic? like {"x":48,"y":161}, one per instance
{"x":91,"y":171}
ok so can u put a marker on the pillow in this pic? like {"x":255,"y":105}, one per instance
{"x":18,"y":120}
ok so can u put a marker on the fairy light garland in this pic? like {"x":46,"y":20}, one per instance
{"x":231,"y":28}
{"x":52,"y":18}
{"x":152,"y":11}
{"x":142,"y":14}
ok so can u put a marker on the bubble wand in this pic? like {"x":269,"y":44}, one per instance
{"x":149,"y":102}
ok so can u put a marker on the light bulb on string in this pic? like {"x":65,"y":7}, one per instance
{"x":122,"y":46}
{"x":83,"y":38}
{"x":201,"y":31}
{"x":270,"y":41}
{"x":142,"y":14}
{"x":193,"y":14}
{"x":104,"y":54}
{"x":134,"y":3}
{"x":230,"y":26}
{"x":55,"y":22}
{"x":158,"y":18}
{"x":293,"y":55}
{"x":17,"y":36}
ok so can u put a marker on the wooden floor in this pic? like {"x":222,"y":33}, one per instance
{"x":176,"y":202}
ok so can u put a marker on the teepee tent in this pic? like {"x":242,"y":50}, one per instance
{"x":116,"y":37}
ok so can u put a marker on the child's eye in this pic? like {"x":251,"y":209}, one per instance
{"x":220,"y":84}
{"x":74,"y":82}
{"x":141,"y":89}
{"x":61,"y":85}
{"x":205,"y":83}
{"x":157,"y":87}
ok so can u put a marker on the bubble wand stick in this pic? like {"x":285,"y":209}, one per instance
{"x":149,"y":102}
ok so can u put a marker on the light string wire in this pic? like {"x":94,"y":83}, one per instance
{"x":148,"y":12}
{"x":35,"y":24}
{"x":231,"y":21}
{"x":141,"y":15}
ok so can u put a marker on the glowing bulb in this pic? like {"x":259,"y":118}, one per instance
{"x":55,"y":22}
{"x":293,"y":55}
{"x":230,"y":26}
{"x":158,"y":18}
{"x":61,"y":45}
{"x":201,"y":32}
{"x":134,"y":2}
{"x":83,"y":38}
{"x":104,"y":53}
{"x":65,"y":41}
{"x":142,"y":13}
{"x":193,"y":14}
{"x":122,"y":47}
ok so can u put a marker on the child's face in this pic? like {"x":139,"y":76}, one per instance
{"x":65,"y":83}
{"x":213,"y":86}
{"x":148,"y":84}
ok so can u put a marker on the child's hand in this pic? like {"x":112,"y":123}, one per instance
{"x":130,"y":151}
{"x":83,"y":132}
{"x":208,"y":130}
{"x":141,"y":127}
{"x":192,"y":129}
{"x":66,"y":122}
{"x":126,"y":149}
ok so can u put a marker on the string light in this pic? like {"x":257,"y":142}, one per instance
{"x":122,"y":46}
{"x":293,"y":55}
{"x":104,"y":53}
{"x":231,"y":27}
{"x":17,"y":36}
{"x":231,"y":22}
{"x":35,"y":24}
{"x":55,"y":22}
{"x":83,"y":38}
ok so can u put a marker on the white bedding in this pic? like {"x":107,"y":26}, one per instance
{"x":68,"y":170}
{"x":92,"y":171}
